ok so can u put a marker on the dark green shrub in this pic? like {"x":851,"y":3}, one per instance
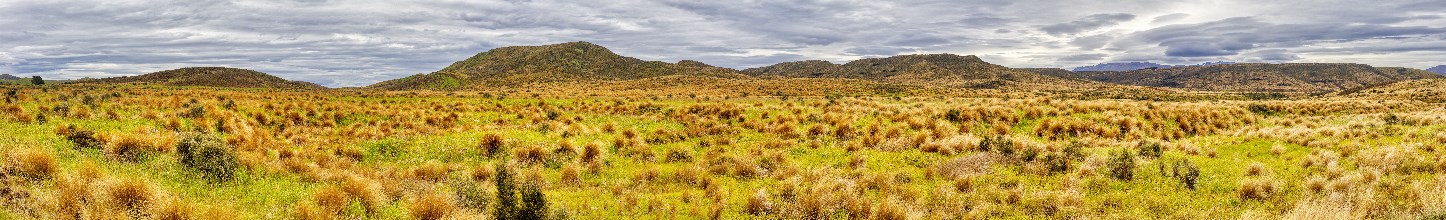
{"x":1000,"y":144}
{"x":1122,"y":165}
{"x":506,"y":194}
{"x":1074,"y":150}
{"x":83,"y":139}
{"x":1056,"y":163}
{"x":208,"y":154}
{"x":526,"y":202}
{"x":954,"y":115}
{"x":534,"y":203}
{"x":1186,"y":173}
{"x":1150,"y":149}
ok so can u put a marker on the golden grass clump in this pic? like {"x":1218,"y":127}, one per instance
{"x":431,"y":206}
{"x":1256,"y":188}
{"x":758,"y":204}
{"x":31,"y":163}
{"x":534,"y":154}
{"x":432,"y":171}
{"x":132,"y":195}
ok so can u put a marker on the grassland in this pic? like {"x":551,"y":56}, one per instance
{"x":156,"y":152}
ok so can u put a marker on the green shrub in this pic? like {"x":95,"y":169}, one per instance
{"x":1122,"y":165}
{"x":1186,"y":172}
{"x":1000,"y":144}
{"x":83,"y":139}
{"x":1056,"y":163}
{"x":1150,"y":149}
{"x":208,"y":154}
{"x":526,"y":202}
{"x":506,"y":194}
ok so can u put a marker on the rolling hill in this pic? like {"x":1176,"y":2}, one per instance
{"x":212,"y":77}
{"x":1426,"y":90}
{"x":1260,"y":77}
{"x":565,"y":62}
{"x":945,"y":70}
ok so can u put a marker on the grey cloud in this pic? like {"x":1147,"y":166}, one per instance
{"x":1234,"y":35}
{"x":1083,"y":57}
{"x":1092,"y":42}
{"x":877,"y":51}
{"x":1087,"y":23}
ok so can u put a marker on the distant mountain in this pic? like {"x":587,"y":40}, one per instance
{"x":1121,"y":66}
{"x":1259,"y":77}
{"x":210,"y":76}
{"x":574,"y":61}
{"x":947,"y":70}
{"x":8,"y":77}
{"x":1139,"y":66}
{"x":1438,"y":69}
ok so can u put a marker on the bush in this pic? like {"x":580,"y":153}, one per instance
{"x":1150,"y":149}
{"x":1122,"y":165}
{"x":1056,"y":163}
{"x":532,"y":203}
{"x":490,"y":145}
{"x":506,"y":193}
{"x":83,"y":139}
{"x":1001,"y":144}
{"x":1186,"y":172}
{"x":208,"y":154}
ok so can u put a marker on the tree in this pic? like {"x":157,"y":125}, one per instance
{"x":36,"y":80}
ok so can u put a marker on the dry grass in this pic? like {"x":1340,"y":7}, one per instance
{"x":429,"y":206}
{"x":31,"y":163}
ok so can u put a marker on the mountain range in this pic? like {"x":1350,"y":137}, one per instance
{"x":8,"y":77}
{"x":586,"y":63}
{"x":1438,"y":69}
{"x":1137,"y":66}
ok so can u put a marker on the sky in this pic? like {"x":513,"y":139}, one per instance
{"x":359,"y":42}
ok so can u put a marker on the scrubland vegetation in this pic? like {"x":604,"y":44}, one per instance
{"x":155,"y":152}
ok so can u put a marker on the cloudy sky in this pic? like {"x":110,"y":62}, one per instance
{"x":358,"y":42}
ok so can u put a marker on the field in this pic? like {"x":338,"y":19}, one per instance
{"x":157,"y":152}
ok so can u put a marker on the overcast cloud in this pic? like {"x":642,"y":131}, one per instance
{"x":355,"y":43}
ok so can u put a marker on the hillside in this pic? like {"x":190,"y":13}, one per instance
{"x":1257,"y":77}
{"x":1055,"y":72}
{"x":947,"y":70}
{"x":565,"y":62}
{"x":211,"y":76}
{"x":1426,"y":90}
{"x":8,"y":77}
{"x":1403,"y":73}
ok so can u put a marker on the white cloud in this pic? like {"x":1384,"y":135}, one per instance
{"x":355,"y":43}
